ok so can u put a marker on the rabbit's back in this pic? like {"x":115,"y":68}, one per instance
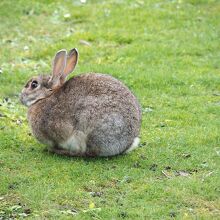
{"x":92,"y":96}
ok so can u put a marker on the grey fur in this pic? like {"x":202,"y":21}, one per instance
{"x":95,"y":108}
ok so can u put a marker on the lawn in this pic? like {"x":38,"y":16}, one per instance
{"x":168,"y":53}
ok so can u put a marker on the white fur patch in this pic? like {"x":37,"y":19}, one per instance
{"x":75,"y":143}
{"x":134,"y":145}
{"x":29,"y":103}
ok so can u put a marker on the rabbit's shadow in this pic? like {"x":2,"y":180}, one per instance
{"x":83,"y":158}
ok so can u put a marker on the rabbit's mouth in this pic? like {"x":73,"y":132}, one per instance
{"x":26,"y":100}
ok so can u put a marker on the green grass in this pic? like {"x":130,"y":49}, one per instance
{"x":168,"y":53}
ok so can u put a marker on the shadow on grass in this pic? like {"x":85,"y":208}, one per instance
{"x":45,"y":151}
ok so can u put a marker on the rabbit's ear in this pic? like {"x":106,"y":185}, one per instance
{"x":71,"y":62}
{"x":58,"y":66}
{"x":59,"y":63}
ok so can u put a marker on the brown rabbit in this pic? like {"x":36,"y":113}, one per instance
{"x":89,"y":115}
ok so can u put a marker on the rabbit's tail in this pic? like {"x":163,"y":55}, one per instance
{"x":134,"y":145}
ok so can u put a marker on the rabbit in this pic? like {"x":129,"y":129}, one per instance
{"x":91,"y":114}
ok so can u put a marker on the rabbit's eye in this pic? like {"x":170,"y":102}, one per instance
{"x":34,"y":84}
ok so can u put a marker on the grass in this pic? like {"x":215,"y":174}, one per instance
{"x":168,"y":53}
